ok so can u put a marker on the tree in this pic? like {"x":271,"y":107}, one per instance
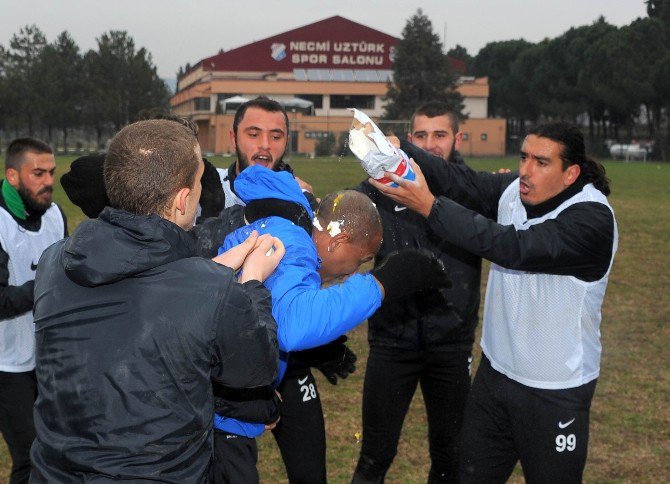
{"x":120,"y":83}
{"x":495,"y":61}
{"x":461,"y":53}
{"x":60,"y":85}
{"x":22,"y":75}
{"x":421,"y":71}
{"x":659,"y":9}
{"x":5,"y":98}
{"x":662,"y":85}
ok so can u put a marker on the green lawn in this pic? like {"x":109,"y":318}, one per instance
{"x":630,"y":429}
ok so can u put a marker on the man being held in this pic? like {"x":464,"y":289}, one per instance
{"x":551,"y":236}
{"x":131,"y":325}
{"x":260,"y":137}
{"x":29,"y":223}
{"x":420,"y":339}
{"x":347,"y":233}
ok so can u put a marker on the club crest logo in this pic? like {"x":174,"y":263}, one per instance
{"x":278,"y":51}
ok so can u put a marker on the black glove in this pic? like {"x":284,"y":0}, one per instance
{"x":212,"y":197}
{"x":333,"y":359}
{"x":404,"y":273}
{"x":260,"y":405}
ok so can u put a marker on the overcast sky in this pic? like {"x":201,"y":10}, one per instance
{"x":181,"y":31}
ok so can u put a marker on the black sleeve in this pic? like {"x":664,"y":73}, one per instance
{"x":260,"y":404}
{"x":578,"y":242}
{"x":211,"y":232}
{"x":477,"y":190}
{"x":14,"y":300}
{"x":246,"y":348}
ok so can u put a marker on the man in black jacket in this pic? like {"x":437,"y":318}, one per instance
{"x":420,"y":339}
{"x":29,"y":223}
{"x":131,"y":325}
{"x":551,"y":236}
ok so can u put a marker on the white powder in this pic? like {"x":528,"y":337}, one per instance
{"x":334,"y":227}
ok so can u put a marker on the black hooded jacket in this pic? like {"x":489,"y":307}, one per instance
{"x":130,"y":327}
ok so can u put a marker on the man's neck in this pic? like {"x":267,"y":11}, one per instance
{"x":32,"y":220}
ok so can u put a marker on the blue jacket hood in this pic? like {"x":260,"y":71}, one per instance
{"x":257,"y":182}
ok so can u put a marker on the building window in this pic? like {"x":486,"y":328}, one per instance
{"x":201,"y":104}
{"x":484,"y":137}
{"x":367,"y":75}
{"x":316,"y":99}
{"x":338,"y":101}
{"x":344,"y":75}
{"x":316,"y":134}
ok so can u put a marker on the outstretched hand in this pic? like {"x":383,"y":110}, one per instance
{"x":263,"y":259}
{"x":235,"y":256}
{"x":414,"y":194}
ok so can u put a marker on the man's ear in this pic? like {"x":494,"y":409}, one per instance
{"x":233,"y":139}
{"x":409,"y":136}
{"x":12,"y":177}
{"x":179,"y":204}
{"x":338,"y":241}
{"x":458,"y":139}
{"x":571,"y":174}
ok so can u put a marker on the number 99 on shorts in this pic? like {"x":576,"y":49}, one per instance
{"x":566,"y":442}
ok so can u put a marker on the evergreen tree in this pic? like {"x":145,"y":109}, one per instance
{"x":421,"y":71}
{"x":60,"y":86}
{"x":22,"y":75}
{"x":461,"y":53}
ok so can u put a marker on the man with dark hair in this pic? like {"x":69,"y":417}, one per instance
{"x":551,"y":236}
{"x":131,"y":324}
{"x":420,"y":340}
{"x":29,"y":223}
{"x":434,"y":128}
{"x":260,"y":137}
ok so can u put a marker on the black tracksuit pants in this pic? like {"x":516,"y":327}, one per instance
{"x":300,"y":436}
{"x":301,"y":432}
{"x":18,"y":392}
{"x":391,"y":378}
{"x":505,"y":421}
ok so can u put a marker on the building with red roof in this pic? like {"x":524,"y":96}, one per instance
{"x":317,"y":71}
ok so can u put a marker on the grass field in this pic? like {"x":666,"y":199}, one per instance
{"x":630,"y":420}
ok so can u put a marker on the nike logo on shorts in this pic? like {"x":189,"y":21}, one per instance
{"x":300,"y":382}
{"x":399,"y":208}
{"x":562,"y":425}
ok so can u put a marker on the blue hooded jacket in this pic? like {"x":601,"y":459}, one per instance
{"x":307,"y":316}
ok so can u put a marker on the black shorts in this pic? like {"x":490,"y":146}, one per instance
{"x":235,"y":459}
{"x":506,"y":422}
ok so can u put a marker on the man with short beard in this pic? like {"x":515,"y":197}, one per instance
{"x":260,"y":137}
{"x":420,"y":340}
{"x":29,"y":223}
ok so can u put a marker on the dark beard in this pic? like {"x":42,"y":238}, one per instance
{"x":243,"y":162}
{"x":34,"y":207}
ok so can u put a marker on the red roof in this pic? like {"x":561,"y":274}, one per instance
{"x":332,"y":43}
